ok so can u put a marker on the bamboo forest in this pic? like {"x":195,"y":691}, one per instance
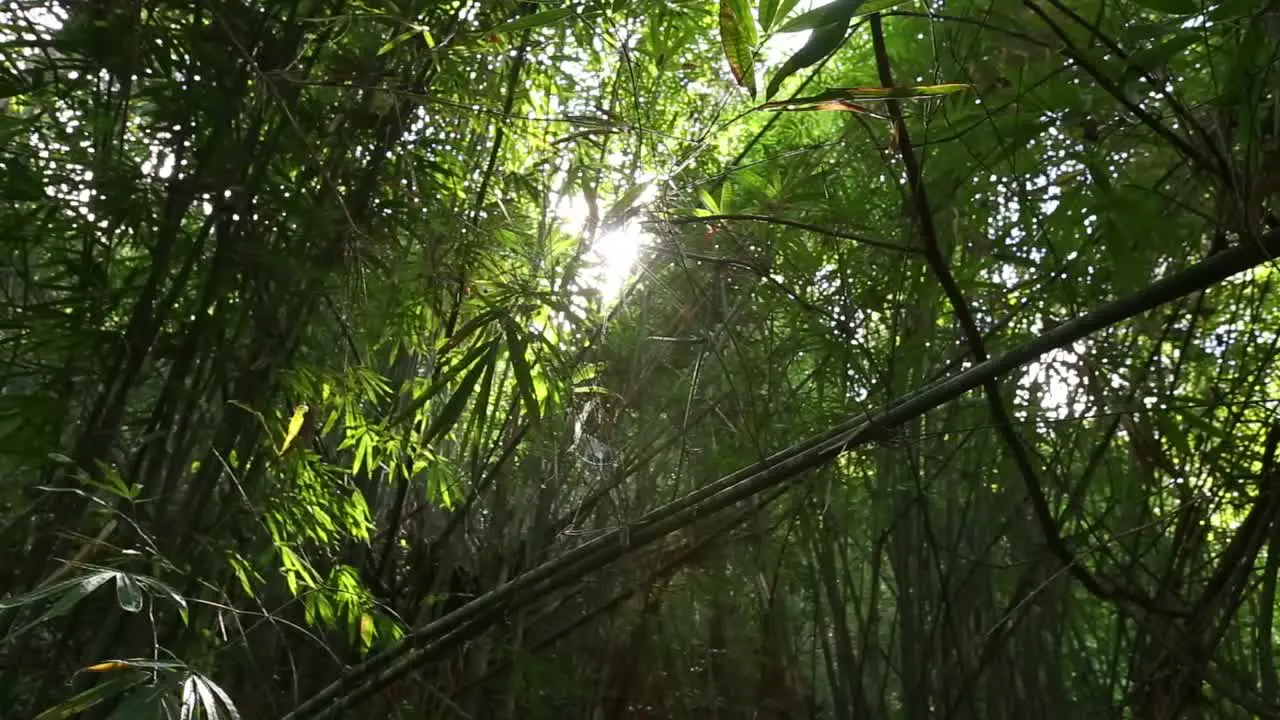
{"x":609,"y":359}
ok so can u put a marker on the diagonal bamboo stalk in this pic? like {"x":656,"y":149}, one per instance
{"x":433,"y":639}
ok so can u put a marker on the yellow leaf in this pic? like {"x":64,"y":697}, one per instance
{"x":107,"y":666}
{"x":367,"y":630}
{"x":295,"y":426}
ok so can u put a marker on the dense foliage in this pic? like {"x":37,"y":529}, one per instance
{"x":940,"y":385}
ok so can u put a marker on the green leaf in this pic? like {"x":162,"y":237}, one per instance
{"x":780,"y":13}
{"x":111,"y":482}
{"x":72,"y":591}
{"x":766,"y":13}
{"x":242,"y":569}
{"x":397,"y":40}
{"x":368,"y":631}
{"x":1157,"y":57}
{"x":738,"y":37}
{"x":621,"y":209}
{"x":845,"y":99}
{"x":874,"y":6}
{"x":1140,"y":32}
{"x":448,"y":417}
{"x":708,"y":201}
{"x":79,"y":703}
{"x":1172,"y":7}
{"x":48,"y":591}
{"x":836,"y":12}
{"x":1239,"y":83}
{"x":536,"y":20}
{"x":159,"y":588}
{"x":824,"y":41}
{"x":151,"y":703}
{"x":909,"y":92}
{"x":524,"y":375}
{"x":411,"y":409}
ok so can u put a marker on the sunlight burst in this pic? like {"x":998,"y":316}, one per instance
{"x":612,"y":255}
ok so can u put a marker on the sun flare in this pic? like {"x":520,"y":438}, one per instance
{"x":610,"y":258}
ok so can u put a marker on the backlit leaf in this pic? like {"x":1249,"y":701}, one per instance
{"x":783,"y":9}
{"x":367,"y":630}
{"x":452,"y":411}
{"x":845,"y":99}
{"x":738,"y":37}
{"x":524,"y":376}
{"x":295,"y":426}
{"x":873,"y":6}
{"x":419,"y":401}
{"x":766,"y":12}
{"x":824,"y":41}
{"x":838,"y":11}
{"x":827,"y":106}
{"x":107,"y":666}
{"x":624,"y":204}
{"x":390,"y":45}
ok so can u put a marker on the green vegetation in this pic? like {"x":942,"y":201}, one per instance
{"x":942,"y":382}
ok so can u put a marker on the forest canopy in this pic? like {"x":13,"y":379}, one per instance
{"x":654,"y":359}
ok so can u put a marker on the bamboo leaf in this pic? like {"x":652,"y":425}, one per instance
{"x":1154,"y":58}
{"x":622,"y":208}
{"x":836,"y":12}
{"x":846,"y":98}
{"x":190,"y":700}
{"x":824,"y":41}
{"x":79,"y":703}
{"x":209,"y":708}
{"x":367,"y":631}
{"x":393,"y":42}
{"x":48,"y":591}
{"x":128,"y":593}
{"x":524,"y":376}
{"x":295,"y":426}
{"x":738,"y":38}
{"x":826,"y":106}
{"x":448,"y":416}
{"x":874,"y":6}
{"x":411,"y":409}
{"x":158,"y":587}
{"x":766,"y":12}
{"x":783,"y":9}
{"x":107,"y":666}
{"x":536,"y":20}
{"x":150,"y":703}
{"x":482,"y":401}
{"x":72,"y":592}
{"x":135,"y":664}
